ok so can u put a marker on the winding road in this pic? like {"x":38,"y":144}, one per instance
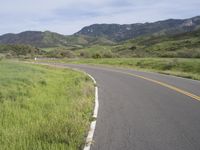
{"x":145,"y":111}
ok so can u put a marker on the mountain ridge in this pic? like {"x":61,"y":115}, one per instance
{"x":50,"y":39}
{"x":117,"y":32}
{"x":106,"y":34}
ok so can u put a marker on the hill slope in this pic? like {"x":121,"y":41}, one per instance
{"x":50,"y":39}
{"x":169,"y":38}
{"x":118,"y":32}
{"x":179,"y":45}
{"x":105,"y":34}
{"x":34,"y":38}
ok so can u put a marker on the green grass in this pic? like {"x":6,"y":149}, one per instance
{"x":91,"y":51}
{"x":43,"y":107}
{"x":188,"y":68}
{"x":185,"y":45}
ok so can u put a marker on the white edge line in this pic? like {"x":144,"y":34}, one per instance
{"x":89,"y":139}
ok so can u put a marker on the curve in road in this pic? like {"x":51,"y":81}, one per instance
{"x":143,"y":111}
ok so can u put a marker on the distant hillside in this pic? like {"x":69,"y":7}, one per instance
{"x":34,"y":38}
{"x":184,"y":45}
{"x":179,"y":45}
{"x":50,"y":39}
{"x":168,"y":38}
{"x":102,"y":34}
{"x":116,"y":32}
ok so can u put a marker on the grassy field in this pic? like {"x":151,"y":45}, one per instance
{"x":188,"y":68}
{"x":43,"y":108}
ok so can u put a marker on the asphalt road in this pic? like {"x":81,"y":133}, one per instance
{"x":137,"y":114}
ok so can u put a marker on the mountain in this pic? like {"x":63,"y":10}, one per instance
{"x":50,"y":39}
{"x":116,"y":32}
{"x":34,"y":38}
{"x":102,"y":34}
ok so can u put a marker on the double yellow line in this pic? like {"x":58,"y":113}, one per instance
{"x":166,"y":85}
{"x":157,"y":82}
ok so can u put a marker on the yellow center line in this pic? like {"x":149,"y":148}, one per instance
{"x":167,"y":85}
{"x":157,"y":82}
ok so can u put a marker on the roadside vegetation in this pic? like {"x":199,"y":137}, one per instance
{"x":42,"y":107}
{"x":183,"y":67}
{"x":19,"y":51}
{"x":184,"y":45}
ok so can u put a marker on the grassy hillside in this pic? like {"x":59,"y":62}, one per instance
{"x":95,"y":51}
{"x":33,"y":38}
{"x":185,"y":45}
{"x":83,"y":40}
{"x":188,"y":68}
{"x":51,"y":39}
{"x":43,"y":107}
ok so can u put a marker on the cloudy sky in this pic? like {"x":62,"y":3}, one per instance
{"x":69,"y":16}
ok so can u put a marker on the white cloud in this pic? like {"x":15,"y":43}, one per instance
{"x":69,"y":16}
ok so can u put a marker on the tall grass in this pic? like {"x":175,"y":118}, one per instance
{"x":43,"y":107}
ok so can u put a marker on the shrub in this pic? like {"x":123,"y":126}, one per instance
{"x":170,"y":65}
{"x":57,"y":53}
{"x":133,"y":48}
{"x":85,"y":54}
{"x":107,"y":54}
{"x":96,"y":56}
{"x":17,"y":50}
{"x":67,"y":53}
{"x":8,"y":55}
{"x":1,"y":58}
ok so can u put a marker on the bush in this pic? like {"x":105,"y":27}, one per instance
{"x":167,"y":54}
{"x":108,"y":54}
{"x":1,"y":58}
{"x":57,"y":53}
{"x":17,"y":50}
{"x":67,"y":53}
{"x":170,"y":65}
{"x":9,"y":55}
{"x":96,"y":56}
{"x":85,"y":54}
{"x":133,"y":48}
